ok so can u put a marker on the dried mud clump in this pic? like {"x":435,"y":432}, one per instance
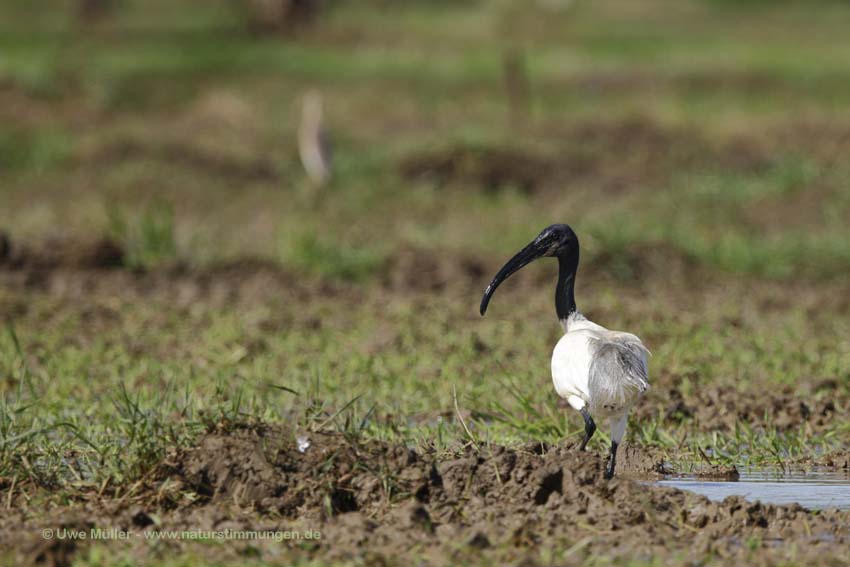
{"x":381,"y":498}
{"x":274,"y":470}
{"x":264,"y":468}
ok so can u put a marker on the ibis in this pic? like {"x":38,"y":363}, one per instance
{"x":600,"y":373}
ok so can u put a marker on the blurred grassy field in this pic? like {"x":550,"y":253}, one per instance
{"x":698,"y":148}
{"x":177,"y":92}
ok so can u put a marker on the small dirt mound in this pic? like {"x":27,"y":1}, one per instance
{"x":412,"y":268}
{"x":491,"y":169}
{"x":57,"y":253}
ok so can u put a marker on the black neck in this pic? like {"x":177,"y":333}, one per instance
{"x":565,"y":299}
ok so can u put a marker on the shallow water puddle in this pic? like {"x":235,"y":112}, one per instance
{"x":817,"y":489}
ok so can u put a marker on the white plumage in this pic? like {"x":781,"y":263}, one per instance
{"x":599,"y":372}
{"x":604,"y":371}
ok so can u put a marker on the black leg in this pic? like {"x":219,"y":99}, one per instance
{"x":589,"y":428}
{"x":612,"y":461}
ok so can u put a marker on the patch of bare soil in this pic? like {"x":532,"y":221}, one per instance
{"x":83,"y":275}
{"x":412,"y":268}
{"x":211,"y":163}
{"x":614,"y":155}
{"x":55,"y":253}
{"x":80,"y":270}
{"x":24,"y":109}
{"x":826,"y":140}
{"x":491,"y":169}
{"x":647,"y":149}
{"x":620,"y":154}
{"x":392,"y":505}
{"x":73,"y":267}
{"x":706,"y":82}
{"x":284,"y":17}
{"x":720,"y":408}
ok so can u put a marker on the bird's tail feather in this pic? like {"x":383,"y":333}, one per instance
{"x":618,"y":374}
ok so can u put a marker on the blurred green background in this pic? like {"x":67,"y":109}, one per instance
{"x":718,"y":128}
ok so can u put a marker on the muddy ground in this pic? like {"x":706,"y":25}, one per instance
{"x":388,"y":504}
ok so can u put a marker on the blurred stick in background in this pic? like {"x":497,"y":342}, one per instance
{"x":517,"y":87}
{"x":512,"y":17}
{"x":313,"y":147}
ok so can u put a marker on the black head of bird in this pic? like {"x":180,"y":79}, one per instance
{"x":555,"y":241}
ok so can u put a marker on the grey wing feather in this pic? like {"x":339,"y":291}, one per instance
{"x":618,"y":370}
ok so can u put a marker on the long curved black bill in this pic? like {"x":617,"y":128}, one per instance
{"x":522,"y":258}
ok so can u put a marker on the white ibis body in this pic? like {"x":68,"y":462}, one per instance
{"x":600,"y":373}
